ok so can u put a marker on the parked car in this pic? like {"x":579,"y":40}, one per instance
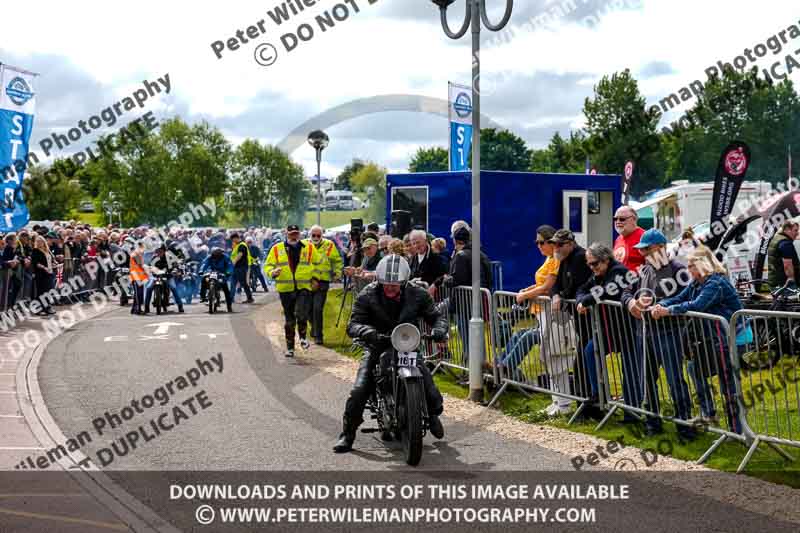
{"x":86,"y":207}
{"x":339,"y":200}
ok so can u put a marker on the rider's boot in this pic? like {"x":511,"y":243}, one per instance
{"x":346,"y":438}
{"x":436,"y":427}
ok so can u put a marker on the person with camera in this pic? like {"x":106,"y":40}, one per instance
{"x":293,"y":265}
{"x":378,"y":309}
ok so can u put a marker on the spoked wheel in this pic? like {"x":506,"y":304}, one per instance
{"x":411,"y":421}
{"x":212,"y":294}
{"x":157,"y":301}
{"x":763,"y":352}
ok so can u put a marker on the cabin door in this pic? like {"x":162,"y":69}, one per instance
{"x":575,"y":209}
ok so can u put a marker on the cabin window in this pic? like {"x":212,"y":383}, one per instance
{"x":576,"y":214}
{"x":415,"y":201}
{"x":593,"y":202}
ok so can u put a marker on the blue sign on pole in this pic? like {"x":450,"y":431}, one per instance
{"x":460,"y":126}
{"x":17,"y":105}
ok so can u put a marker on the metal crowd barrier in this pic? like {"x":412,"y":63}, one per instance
{"x":497,"y":276}
{"x":457,"y":304}
{"x":540,"y":349}
{"x":5,"y":275}
{"x":769,"y":378}
{"x":678,"y":368}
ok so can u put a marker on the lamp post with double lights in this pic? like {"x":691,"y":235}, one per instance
{"x":319,"y":140}
{"x":475,"y":13}
{"x":111,"y":206}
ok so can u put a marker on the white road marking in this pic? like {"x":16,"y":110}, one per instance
{"x":116,"y":338}
{"x":11,"y":416}
{"x":183,"y":336}
{"x":213,"y":335}
{"x":153,"y":337}
{"x":162,"y":327}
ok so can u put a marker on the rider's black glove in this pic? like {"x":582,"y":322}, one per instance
{"x":439,"y":334}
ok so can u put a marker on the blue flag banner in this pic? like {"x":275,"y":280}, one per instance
{"x":17,"y":107}
{"x":460,"y":126}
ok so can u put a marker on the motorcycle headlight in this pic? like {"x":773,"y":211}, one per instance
{"x":405,"y":338}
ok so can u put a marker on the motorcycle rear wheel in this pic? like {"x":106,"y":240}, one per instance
{"x":411,"y":421}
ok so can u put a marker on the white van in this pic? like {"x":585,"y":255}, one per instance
{"x":339,"y":201}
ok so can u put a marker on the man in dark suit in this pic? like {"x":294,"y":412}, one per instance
{"x":425,"y":264}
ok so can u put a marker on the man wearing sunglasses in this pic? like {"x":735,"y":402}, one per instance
{"x":329,"y":269}
{"x":625,"y":251}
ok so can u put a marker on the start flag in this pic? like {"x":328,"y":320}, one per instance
{"x":17,"y":106}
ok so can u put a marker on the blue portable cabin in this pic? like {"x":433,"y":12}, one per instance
{"x":513,"y":205}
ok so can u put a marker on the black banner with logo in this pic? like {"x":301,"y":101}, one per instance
{"x":627,"y":178}
{"x":731,"y":171}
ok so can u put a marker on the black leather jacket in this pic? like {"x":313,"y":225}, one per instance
{"x":370,"y":316}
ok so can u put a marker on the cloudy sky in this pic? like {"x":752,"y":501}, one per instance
{"x":90,"y":54}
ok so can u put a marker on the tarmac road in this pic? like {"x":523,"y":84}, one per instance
{"x":269,"y":413}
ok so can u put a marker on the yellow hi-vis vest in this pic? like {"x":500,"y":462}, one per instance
{"x":247,"y":251}
{"x":306,"y":269}
{"x":331,"y":264}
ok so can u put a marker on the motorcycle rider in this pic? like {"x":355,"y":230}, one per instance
{"x":378,"y":309}
{"x":166,"y":261}
{"x":221,"y":263}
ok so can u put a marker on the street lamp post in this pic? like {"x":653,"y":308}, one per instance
{"x":475,"y":13}
{"x":319,"y":140}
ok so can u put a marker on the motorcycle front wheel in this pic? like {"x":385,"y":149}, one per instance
{"x":411,"y":420}
{"x":212,"y":294}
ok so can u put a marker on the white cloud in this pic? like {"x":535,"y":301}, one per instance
{"x":370,"y":53}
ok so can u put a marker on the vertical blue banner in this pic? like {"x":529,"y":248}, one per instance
{"x":460,"y":111}
{"x":17,"y":107}
{"x":460,"y":144}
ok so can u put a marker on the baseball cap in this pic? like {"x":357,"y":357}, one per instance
{"x":369,"y":242}
{"x":292,"y":227}
{"x":651,"y":237}
{"x":563,"y":236}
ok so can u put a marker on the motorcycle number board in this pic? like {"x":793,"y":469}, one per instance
{"x":407,"y":359}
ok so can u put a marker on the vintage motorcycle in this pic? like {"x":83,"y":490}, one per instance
{"x":398,"y":404}
{"x":214,"y":281}
{"x":160,"y":290}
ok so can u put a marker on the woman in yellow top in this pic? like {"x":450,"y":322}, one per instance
{"x":522,"y":341}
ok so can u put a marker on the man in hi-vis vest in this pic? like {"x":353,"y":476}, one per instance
{"x":330,"y":269}
{"x":293,"y":265}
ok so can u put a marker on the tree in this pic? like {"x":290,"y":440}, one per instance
{"x":434,"y":159}
{"x":502,"y":150}
{"x":737,"y":106}
{"x":373,"y":175}
{"x":50,"y":192}
{"x":619,"y":128}
{"x":567,"y":156}
{"x":343,"y":182}
{"x":157,"y":175}
{"x":267,"y":187}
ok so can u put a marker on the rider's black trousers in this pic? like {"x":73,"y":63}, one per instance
{"x":365,"y":385}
